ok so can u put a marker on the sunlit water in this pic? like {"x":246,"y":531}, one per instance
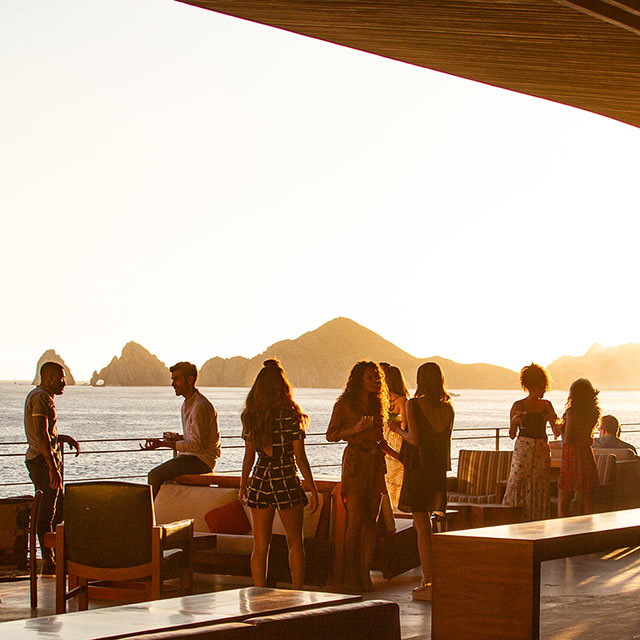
{"x":90,"y":413}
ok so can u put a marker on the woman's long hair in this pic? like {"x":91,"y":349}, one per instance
{"x":583,"y":402}
{"x":269,"y":395}
{"x":430,"y":380}
{"x":376,"y":403}
{"x":396,"y":382}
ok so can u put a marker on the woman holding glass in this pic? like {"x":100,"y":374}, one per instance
{"x":528,"y":484}
{"x":358,"y":417}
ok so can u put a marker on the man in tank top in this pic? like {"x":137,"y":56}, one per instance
{"x":198,"y":448}
{"x":44,"y":453}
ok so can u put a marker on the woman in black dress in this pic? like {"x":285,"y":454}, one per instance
{"x":424,"y":487}
{"x":273,"y":426}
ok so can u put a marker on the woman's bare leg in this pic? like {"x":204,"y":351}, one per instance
{"x":587,"y":502}
{"x":422,"y":524}
{"x":564,"y":501}
{"x":371,"y":507}
{"x":292,"y":521}
{"x":356,"y":515}
{"x":262,"y":520}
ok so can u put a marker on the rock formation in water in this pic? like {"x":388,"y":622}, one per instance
{"x":51,"y":356}
{"x":136,"y":367}
{"x":323,"y":358}
{"x":616,"y":368}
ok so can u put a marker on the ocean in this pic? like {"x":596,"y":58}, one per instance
{"x":108,"y":413}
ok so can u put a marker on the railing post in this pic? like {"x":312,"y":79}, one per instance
{"x":498,"y":439}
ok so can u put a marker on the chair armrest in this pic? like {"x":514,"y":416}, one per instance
{"x":177,"y":534}
{"x":452,"y":483}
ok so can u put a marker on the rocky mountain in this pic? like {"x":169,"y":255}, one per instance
{"x":616,"y":368}
{"x":323,"y":358}
{"x":51,"y":356}
{"x":136,"y":367}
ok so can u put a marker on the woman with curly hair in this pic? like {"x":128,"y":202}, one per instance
{"x":578,"y":471}
{"x":398,"y":396}
{"x":528,"y":484}
{"x":273,"y":426}
{"x":358,"y":417}
{"x":430,"y":417}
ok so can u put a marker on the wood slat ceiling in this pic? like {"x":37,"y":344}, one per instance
{"x":583,"y":53}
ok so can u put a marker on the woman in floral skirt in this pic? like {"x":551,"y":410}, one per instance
{"x":528,"y":484}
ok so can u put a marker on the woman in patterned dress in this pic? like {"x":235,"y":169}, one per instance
{"x":273,"y":426}
{"x":578,"y":471}
{"x":357,"y":417}
{"x":398,"y":396}
{"x":528,"y":484}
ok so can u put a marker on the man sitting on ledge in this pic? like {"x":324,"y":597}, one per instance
{"x":198,"y":448}
{"x":610,"y":435}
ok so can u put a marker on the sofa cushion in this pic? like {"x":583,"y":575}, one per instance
{"x":467,"y":498}
{"x":229,"y":518}
{"x":370,"y":620}
{"x":178,"y":501}
{"x":230,"y":543}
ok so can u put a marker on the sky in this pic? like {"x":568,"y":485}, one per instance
{"x":207,"y":186}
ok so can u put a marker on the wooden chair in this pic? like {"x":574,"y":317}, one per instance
{"x":33,"y":537}
{"x":109,"y":547}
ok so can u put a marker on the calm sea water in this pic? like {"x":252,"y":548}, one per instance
{"x":90,"y":413}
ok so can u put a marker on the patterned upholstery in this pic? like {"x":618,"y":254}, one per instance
{"x":606,"y":468}
{"x":478,"y":472}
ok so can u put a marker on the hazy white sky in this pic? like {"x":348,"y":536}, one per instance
{"x":206,"y":186}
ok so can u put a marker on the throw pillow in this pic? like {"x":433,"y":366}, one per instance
{"x":229,"y":518}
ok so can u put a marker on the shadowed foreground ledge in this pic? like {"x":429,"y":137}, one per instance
{"x":586,"y":597}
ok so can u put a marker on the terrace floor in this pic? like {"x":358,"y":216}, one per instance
{"x":586,"y":597}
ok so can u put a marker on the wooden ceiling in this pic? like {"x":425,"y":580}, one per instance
{"x":583,"y":53}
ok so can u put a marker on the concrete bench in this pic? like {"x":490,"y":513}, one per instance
{"x":486,"y":582}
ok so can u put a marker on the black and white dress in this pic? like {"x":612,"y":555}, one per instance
{"x":274,"y":480}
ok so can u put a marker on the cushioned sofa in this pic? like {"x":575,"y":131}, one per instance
{"x":212,"y":501}
{"x":619,"y":473}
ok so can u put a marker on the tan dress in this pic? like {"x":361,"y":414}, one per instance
{"x":363,"y":463}
{"x":395,"y":468}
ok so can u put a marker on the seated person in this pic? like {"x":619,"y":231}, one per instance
{"x":610,"y":435}
{"x":199,"y":448}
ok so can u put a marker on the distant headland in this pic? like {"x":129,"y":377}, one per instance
{"x":135,"y":367}
{"x":51,"y":356}
{"x":323,"y":357}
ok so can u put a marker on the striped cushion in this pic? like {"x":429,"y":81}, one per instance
{"x":606,"y":468}
{"x":469,"y":499}
{"x":478,"y":472}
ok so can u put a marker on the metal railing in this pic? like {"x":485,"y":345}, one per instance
{"x":497,"y":434}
